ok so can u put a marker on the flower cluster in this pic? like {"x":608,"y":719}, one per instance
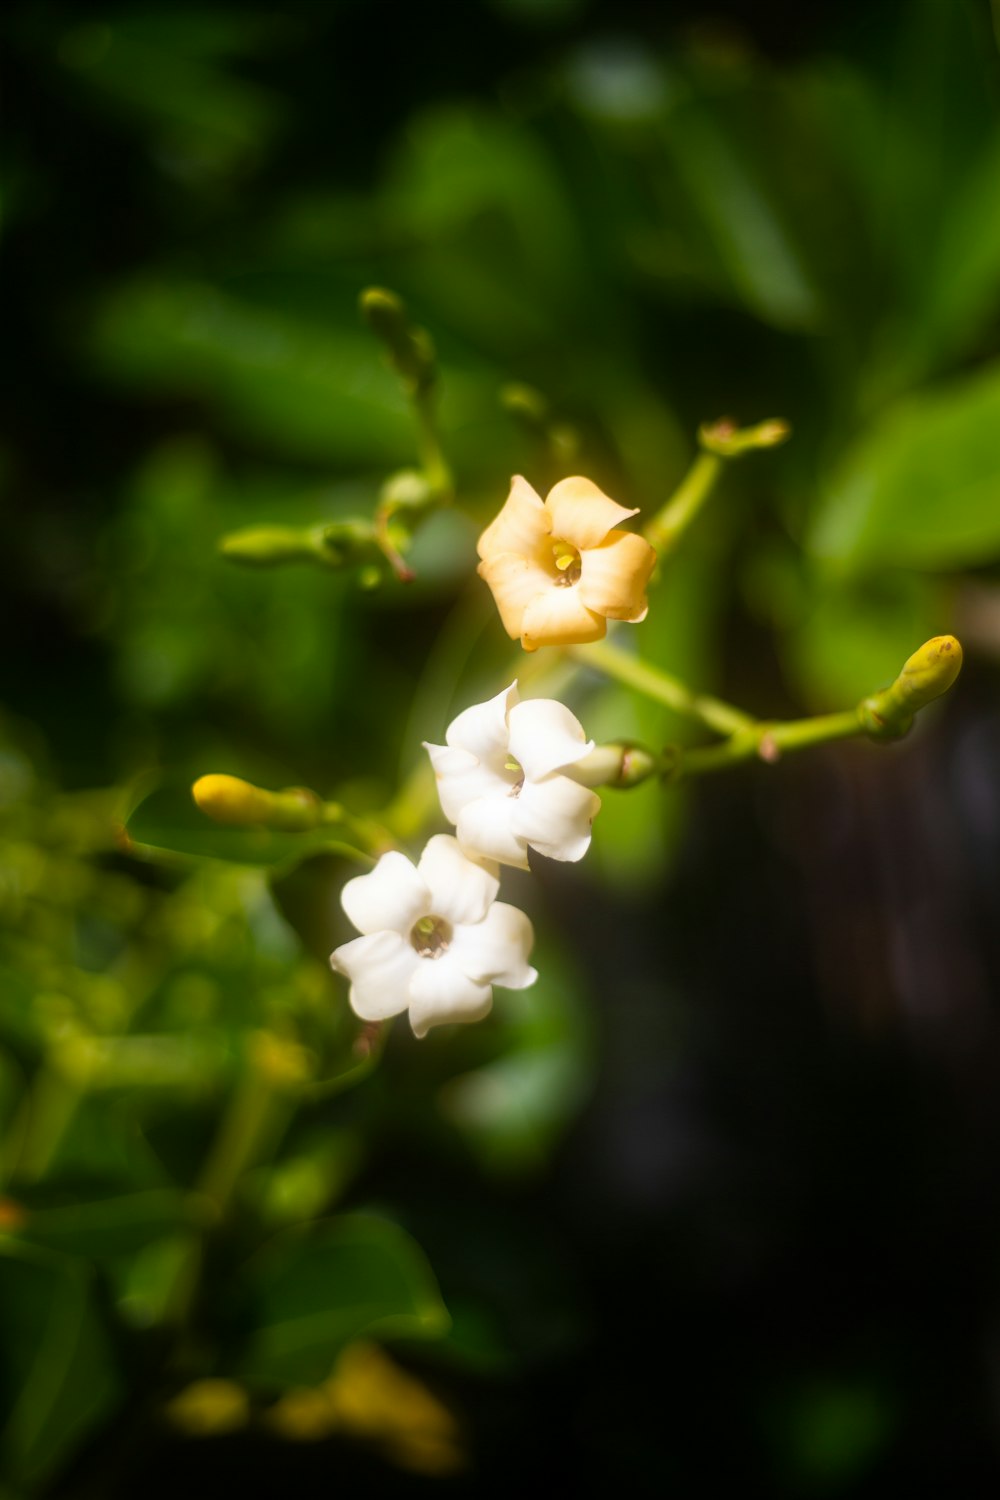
{"x":434,"y":939}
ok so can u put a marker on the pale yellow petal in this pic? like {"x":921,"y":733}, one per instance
{"x":583,"y":514}
{"x":614,"y":576}
{"x":514,"y":582}
{"x":558,"y":617}
{"x":522,"y":525}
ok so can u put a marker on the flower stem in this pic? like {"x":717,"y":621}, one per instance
{"x":661,"y":687}
{"x":761,"y":741}
{"x":672,"y":520}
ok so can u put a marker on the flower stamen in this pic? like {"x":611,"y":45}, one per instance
{"x":515,"y":768}
{"x":431,"y":937}
{"x":568,"y":564}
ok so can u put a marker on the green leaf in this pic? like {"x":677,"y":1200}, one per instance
{"x":60,"y":1379}
{"x":921,"y":486}
{"x":167,"y":821}
{"x":111,"y":1226}
{"x":314,"y":1289}
{"x":854,"y":640}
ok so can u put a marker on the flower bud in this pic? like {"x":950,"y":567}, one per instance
{"x":620,"y":764}
{"x":227,"y":799}
{"x":927,"y":674}
{"x":266,"y":546}
{"x":410,"y":349}
{"x":930,"y":671}
{"x":726,"y":440}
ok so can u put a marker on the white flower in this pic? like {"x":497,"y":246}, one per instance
{"x":499,"y":782}
{"x":434,"y":939}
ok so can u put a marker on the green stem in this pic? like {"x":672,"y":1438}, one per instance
{"x":672,"y":520}
{"x":762,"y":741}
{"x":256,"y":1116}
{"x":51,"y":1106}
{"x":660,"y":686}
{"x":432,"y":458}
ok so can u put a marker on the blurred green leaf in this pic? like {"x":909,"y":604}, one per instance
{"x":165,"y":73}
{"x":514,"y":1108}
{"x":854,"y":638}
{"x":167,"y":821}
{"x":110,"y":1226}
{"x":314,"y":1289}
{"x":59,"y":1376}
{"x":315,"y":391}
{"x":921,"y":486}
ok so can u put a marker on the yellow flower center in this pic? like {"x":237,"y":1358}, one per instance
{"x":515,"y":771}
{"x":431,"y":936}
{"x":568,"y":567}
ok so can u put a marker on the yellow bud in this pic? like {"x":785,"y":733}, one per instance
{"x":282,"y":1062}
{"x":207,"y":1407}
{"x":927,"y":674}
{"x":227,"y":799}
{"x":930,"y":671}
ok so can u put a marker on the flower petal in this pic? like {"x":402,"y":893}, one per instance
{"x":380,"y":968}
{"x":461,"y":779}
{"x":461,"y":887}
{"x":559,"y":617}
{"x":583,"y":514}
{"x":554,"y":816}
{"x":485,"y":829}
{"x":514,"y":582}
{"x":482,"y":729}
{"x":521,"y":526}
{"x":496,"y":950}
{"x":391,"y":898}
{"x":544,"y":736}
{"x":440,"y":992}
{"x":614,"y":576}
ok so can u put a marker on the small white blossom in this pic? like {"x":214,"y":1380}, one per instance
{"x":434,"y":938}
{"x":500,"y":784}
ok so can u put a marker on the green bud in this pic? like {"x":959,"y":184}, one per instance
{"x":527,"y":404}
{"x":411,"y":350}
{"x":620,"y":764}
{"x":726,"y":440}
{"x":267,"y":546}
{"x":407,"y":489}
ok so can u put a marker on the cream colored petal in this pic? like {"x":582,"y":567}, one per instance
{"x":461,"y":887}
{"x":484,"y":829}
{"x":391,"y":898}
{"x":521,"y":526}
{"x":380,"y":968}
{"x":514,"y":582}
{"x":544,"y":736}
{"x":554,"y":816}
{"x":440,"y":992}
{"x":461,"y":779}
{"x":496,"y":950}
{"x":583,"y":514}
{"x":614,"y":576}
{"x":482,"y":729}
{"x":558,"y":617}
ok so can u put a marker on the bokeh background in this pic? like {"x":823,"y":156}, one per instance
{"x":718,"y":1202}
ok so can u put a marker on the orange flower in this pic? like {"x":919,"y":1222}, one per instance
{"x":559,"y":569}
